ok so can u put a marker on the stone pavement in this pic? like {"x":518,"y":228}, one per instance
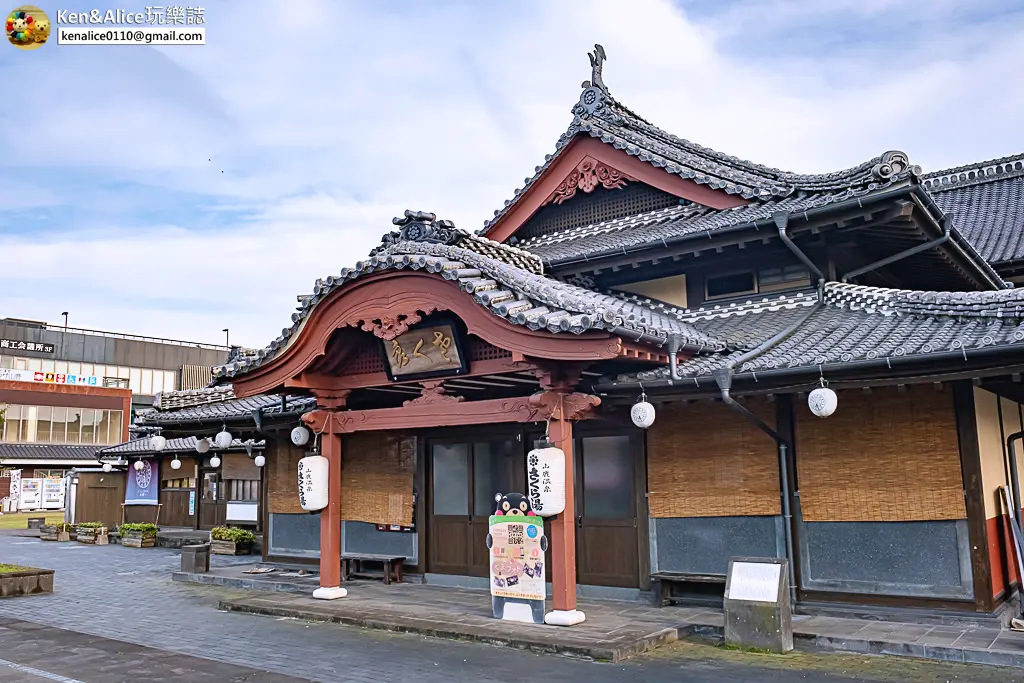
{"x":126,"y":595}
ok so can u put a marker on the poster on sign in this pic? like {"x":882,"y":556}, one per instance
{"x":516,"y":545}
{"x":143,"y":485}
{"x":15,"y":494}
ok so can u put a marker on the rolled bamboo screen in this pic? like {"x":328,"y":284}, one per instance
{"x":377,"y":473}
{"x":283,"y":477}
{"x":705,"y":460}
{"x":881,"y":457}
{"x":240,"y":466}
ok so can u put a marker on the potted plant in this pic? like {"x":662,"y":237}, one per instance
{"x":231,"y":541}
{"x":138,"y":535}
{"x":92,"y":533}
{"x":55,"y":532}
{"x":18,"y":580}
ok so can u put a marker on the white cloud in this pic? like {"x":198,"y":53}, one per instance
{"x":272,"y":156}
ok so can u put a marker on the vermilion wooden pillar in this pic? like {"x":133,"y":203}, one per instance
{"x":563,"y":526}
{"x":330,"y":523}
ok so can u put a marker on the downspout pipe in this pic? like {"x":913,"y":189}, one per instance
{"x":947,"y":224}
{"x":1014,"y":477}
{"x":781,"y":219}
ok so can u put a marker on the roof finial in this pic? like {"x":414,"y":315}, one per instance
{"x":597,"y":58}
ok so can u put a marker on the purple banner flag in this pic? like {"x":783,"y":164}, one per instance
{"x":143,"y":485}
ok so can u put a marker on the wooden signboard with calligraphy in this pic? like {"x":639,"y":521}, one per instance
{"x":433,"y":350}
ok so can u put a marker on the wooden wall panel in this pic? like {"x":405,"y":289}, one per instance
{"x":881,"y":457}
{"x":706,"y":460}
{"x":99,"y":496}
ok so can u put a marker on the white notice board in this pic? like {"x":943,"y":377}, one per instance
{"x":755,"y":581}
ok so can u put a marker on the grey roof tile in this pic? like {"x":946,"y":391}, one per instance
{"x":232,"y":409}
{"x":497,"y":281}
{"x":174,"y":446}
{"x":987,"y":203}
{"x":36,"y":451}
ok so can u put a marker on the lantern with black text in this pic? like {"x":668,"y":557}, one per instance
{"x":313,"y":494}
{"x":545,"y":476}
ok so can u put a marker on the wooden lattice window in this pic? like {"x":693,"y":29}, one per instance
{"x":600,"y":205}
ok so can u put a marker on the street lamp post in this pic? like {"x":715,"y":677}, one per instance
{"x":227,"y":337}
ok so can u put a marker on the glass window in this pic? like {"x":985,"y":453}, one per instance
{"x":89,"y":420}
{"x":62,"y":367}
{"x":135,"y":380}
{"x":116,"y":418}
{"x":170,"y":380}
{"x":608,"y":477}
{"x":35,"y":364}
{"x":75,"y":369}
{"x":146,"y":385}
{"x":158,"y":381}
{"x":727,"y":285}
{"x":6,"y":362}
{"x":21,"y":364}
{"x":48,"y":365}
{"x":43,"y":417}
{"x":74,"y":425}
{"x":58,"y":425}
{"x":451,"y":479}
{"x":12,"y":424}
{"x":28,"y":424}
{"x":492,"y":473}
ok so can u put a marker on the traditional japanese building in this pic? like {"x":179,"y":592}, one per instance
{"x":634,"y":264}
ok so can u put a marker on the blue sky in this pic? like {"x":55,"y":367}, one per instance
{"x":178,"y":190}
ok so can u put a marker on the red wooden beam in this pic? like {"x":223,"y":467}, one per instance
{"x":314,"y":381}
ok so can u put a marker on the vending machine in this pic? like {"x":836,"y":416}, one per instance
{"x":53,"y":494}
{"x":31,"y":494}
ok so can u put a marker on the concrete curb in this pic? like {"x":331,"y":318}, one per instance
{"x":606,"y":654}
{"x":242,"y":584}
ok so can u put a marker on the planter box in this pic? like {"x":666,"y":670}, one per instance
{"x":135,"y":539}
{"x":28,"y":582}
{"x":93,"y":536}
{"x":50,"y":533}
{"x":229,"y":548}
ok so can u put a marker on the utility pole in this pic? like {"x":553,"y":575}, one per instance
{"x":227,"y":337}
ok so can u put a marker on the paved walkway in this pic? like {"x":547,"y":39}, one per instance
{"x":112,"y":593}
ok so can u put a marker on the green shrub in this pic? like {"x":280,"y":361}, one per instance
{"x":89,"y":525}
{"x":65,"y":526}
{"x":8,"y":568}
{"x":239,"y":536}
{"x":145,"y":528}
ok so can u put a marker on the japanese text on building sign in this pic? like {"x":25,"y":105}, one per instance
{"x":441,"y":341}
{"x":155,"y":15}
{"x":15,"y":345}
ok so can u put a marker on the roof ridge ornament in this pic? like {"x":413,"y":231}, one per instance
{"x":597,"y":58}
{"x":893,"y":163}
{"x":422,"y":226}
{"x":594,"y":91}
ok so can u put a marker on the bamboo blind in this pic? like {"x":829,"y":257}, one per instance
{"x":377,"y":472}
{"x":881,"y":457}
{"x":240,"y":466}
{"x":705,"y":460}
{"x":283,"y":477}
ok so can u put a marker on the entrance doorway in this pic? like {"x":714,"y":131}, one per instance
{"x":464,"y":476}
{"x":212,"y":501}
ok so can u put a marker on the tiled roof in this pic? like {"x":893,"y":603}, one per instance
{"x":185,"y":445}
{"x":601,"y":116}
{"x":855,"y":323}
{"x":172,"y":400}
{"x":232,"y":409}
{"x":37,"y":451}
{"x":520,"y":296}
{"x":987,"y":201}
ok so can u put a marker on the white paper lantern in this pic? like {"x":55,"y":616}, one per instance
{"x":300,"y":436}
{"x":175,"y":464}
{"x":139,"y":465}
{"x":642,"y":414}
{"x":107,"y":467}
{"x":215,"y":461}
{"x":202,"y":445}
{"x":545,"y":476}
{"x":157,"y":443}
{"x":313,"y":480}
{"x":822,"y":401}
{"x":259,"y":461}
{"x":224,"y":439}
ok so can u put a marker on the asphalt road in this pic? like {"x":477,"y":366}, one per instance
{"x":116,"y":616}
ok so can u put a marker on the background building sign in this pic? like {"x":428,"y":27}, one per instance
{"x":517,"y":546}
{"x":191,"y":503}
{"x":430,"y":351}
{"x":49,"y":377}
{"x":15,"y":345}
{"x":143,"y":485}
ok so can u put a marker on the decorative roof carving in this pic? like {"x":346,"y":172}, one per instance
{"x":587,"y":176}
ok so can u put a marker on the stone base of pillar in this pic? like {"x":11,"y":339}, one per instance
{"x":564,"y":617}
{"x":323,"y":593}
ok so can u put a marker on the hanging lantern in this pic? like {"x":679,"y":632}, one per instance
{"x":259,"y":461}
{"x":313,"y":471}
{"x":545,"y":475}
{"x":202,"y":445}
{"x":223,"y":438}
{"x":175,"y":464}
{"x":157,"y":442}
{"x":107,"y":467}
{"x":300,"y":436}
{"x":822,"y":401}
{"x":139,"y":465}
{"x":642,"y":413}
{"x":215,"y":461}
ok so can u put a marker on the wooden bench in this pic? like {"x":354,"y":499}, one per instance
{"x":661,"y":584}
{"x":351,"y":564}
